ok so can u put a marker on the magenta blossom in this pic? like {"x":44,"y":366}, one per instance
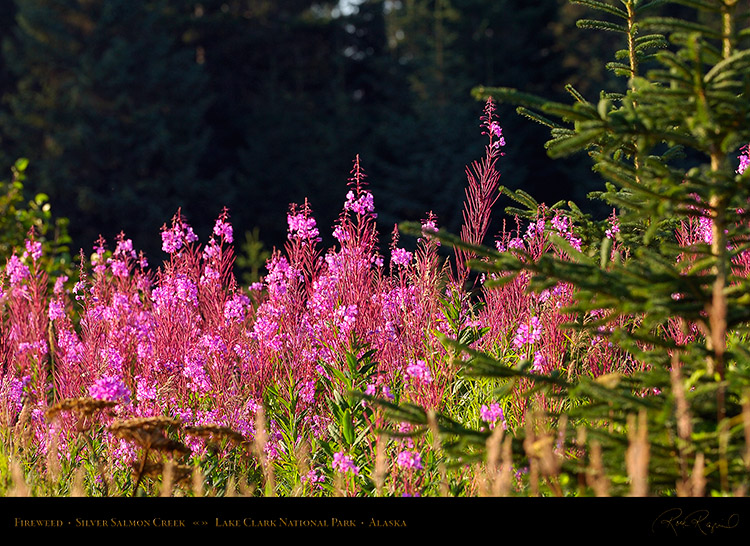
{"x":419,"y":371}
{"x":401,"y":256}
{"x":492,"y":414}
{"x":409,"y":460}
{"x":744,"y":159}
{"x":33,"y":249}
{"x":302,"y":228}
{"x":497,"y":132}
{"x":614,"y":227}
{"x":344,"y":463}
{"x":528,"y":333}
{"x":224,"y":230}
{"x":110,"y":388}
{"x":16,"y":270}
{"x":361,"y":205}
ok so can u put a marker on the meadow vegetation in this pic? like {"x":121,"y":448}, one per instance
{"x":563,"y":356}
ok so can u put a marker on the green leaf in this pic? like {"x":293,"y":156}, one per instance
{"x":21,"y":164}
{"x":601,"y":25}
{"x":575,"y":254}
{"x":673,"y":24}
{"x":510,"y":95}
{"x":571,"y":145}
{"x":537,"y":118}
{"x":347,"y":427}
{"x":602,"y":7}
{"x":604,"y":252}
{"x":525,"y":199}
{"x":738,"y":61}
{"x":705,"y":5}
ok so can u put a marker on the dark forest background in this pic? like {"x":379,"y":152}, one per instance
{"x":128,"y":109}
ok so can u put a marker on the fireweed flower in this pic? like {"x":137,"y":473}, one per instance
{"x":429,"y":227}
{"x":125,"y":247}
{"x":33,"y":249}
{"x":195,"y":373}
{"x":144,"y":390}
{"x":60,"y":284}
{"x":56,"y":310}
{"x":401,"y":256}
{"x":174,"y":237}
{"x":744,"y":159}
{"x":341,"y":234}
{"x":614,"y":227}
{"x":110,"y":388}
{"x":373,"y":388}
{"x":314,"y":478}
{"x":79,"y":287}
{"x":344,"y":463}
{"x":497,"y":132}
{"x":419,"y":371}
{"x":210,"y":275}
{"x":516,"y":243}
{"x":410,"y":460}
{"x":560,"y":223}
{"x":69,"y":346}
{"x":119,"y":268}
{"x":405,"y":428}
{"x":492,"y":414}
{"x":181,"y":288}
{"x":302,"y":228}
{"x":224,"y":230}
{"x":360,"y":205}
{"x":213,"y":344}
{"x":12,"y":391}
{"x":528,"y":333}
{"x":535,"y":229}
{"x":16,"y":270}
{"x":539,"y":362}
{"x":705,"y":230}
{"x":189,"y":234}
{"x":36,"y":347}
{"x":234,"y":309}
{"x":307,"y":392}
{"x":562,"y":226}
{"x":113,"y":358}
{"x":171,"y":240}
{"x":345,"y":318}
{"x":97,"y":258}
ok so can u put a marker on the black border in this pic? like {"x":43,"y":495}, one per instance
{"x":627,"y":518}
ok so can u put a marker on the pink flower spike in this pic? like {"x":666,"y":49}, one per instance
{"x":419,"y":371}
{"x":528,"y":333}
{"x":223,"y":230}
{"x":171,"y":241}
{"x":401,"y":256}
{"x":110,"y":388}
{"x":744,"y":159}
{"x":492,"y":414}
{"x":16,"y":270}
{"x":33,"y":249}
{"x":344,"y":463}
{"x":409,"y":460}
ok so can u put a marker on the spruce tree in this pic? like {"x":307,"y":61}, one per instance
{"x":670,"y":288}
{"x":667,"y":148}
{"x":108,"y":107}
